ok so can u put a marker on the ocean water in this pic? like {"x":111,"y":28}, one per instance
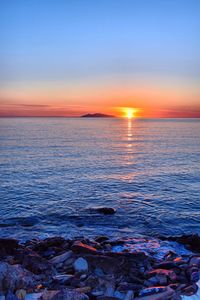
{"x":53,"y":170}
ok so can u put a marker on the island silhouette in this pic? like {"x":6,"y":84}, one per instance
{"x":97,"y":115}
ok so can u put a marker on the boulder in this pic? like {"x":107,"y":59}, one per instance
{"x":13,"y":277}
{"x":81,"y":265}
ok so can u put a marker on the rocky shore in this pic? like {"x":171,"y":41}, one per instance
{"x":92,"y":269}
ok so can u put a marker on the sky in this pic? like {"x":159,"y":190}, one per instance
{"x":71,"y":57}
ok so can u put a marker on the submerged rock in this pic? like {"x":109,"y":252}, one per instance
{"x":104,"y":210}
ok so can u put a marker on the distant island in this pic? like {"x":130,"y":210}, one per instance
{"x":97,"y":115}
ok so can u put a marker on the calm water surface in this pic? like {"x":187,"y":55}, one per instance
{"x":52,"y":170}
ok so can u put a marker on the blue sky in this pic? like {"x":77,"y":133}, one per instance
{"x":96,"y":42}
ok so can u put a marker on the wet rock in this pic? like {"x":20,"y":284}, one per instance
{"x":129,"y":295}
{"x":64,"y":295}
{"x":109,"y":291}
{"x":63,"y":278}
{"x":125,"y":286}
{"x":161,"y":272}
{"x":81,"y":265}
{"x":20,"y":294}
{"x":165,"y":265}
{"x":191,"y":241}
{"x":33,"y":296}
{"x":13,"y":277}
{"x":189,"y":290}
{"x":11,"y":296}
{"x":157,"y":293}
{"x":107,"y":298}
{"x":104,"y":210}
{"x":119,"y":295}
{"x":61,"y":258}
{"x":79,"y":247}
{"x":47,"y":243}
{"x":195,"y":260}
{"x":101,"y":239}
{"x":36,"y":264}
{"x":8,"y":246}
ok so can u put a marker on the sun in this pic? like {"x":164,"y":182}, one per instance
{"x":129,"y":112}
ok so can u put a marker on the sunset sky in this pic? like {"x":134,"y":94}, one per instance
{"x":71,"y":57}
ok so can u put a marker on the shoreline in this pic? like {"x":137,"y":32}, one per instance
{"x":100,"y":268}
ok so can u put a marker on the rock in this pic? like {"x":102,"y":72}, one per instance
{"x":157,"y":293}
{"x":107,"y":298}
{"x":189,"y":290}
{"x":20,"y":294}
{"x":102,"y":238}
{"x":194,"y":277}
{"x":84,"y":290}
{"x":109,"y":291}
{"x":69,"y":295}
{"x":47,"y":243}
{"x":161,"y":272}
{"x":119,"y":295}
{"x":81,"y":265}
{"x":61,"y":258}
{"x":63,"y":278}
{"x":13,"y":277}
{"x":195,"y":260}
{"x":79,"y":247}
{"x":167,"y":265}
{"x":8,"y":246}
{"x":33,"y":296}
{"x":129,"y":295}
{"x":49,"y":295}
{"x":11,"y":296}
{"x":36,"y":264}
{"x":191,"y":241}
{"x":104,"y":210}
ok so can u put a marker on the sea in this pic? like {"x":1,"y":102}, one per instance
{"x":55,"y":172}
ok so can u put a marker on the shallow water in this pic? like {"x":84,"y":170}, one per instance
{"x":54,"y":169}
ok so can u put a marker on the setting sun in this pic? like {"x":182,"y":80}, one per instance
{"x":129,"y":112}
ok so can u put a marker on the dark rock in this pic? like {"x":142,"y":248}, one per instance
{"x":104,"y":210}
{"x":36,"y":264}
{"x":101,"y":239}
{"x":191,"y":241}
{"x":8,"y":246}
{"x":47,"y":243}
{"x":190,"y":290}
